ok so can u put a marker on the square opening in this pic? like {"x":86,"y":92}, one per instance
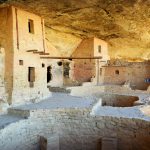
{"x":31,"y":26}
{"x":21,"y":62}
{"x":117,"y":72}
{"x":43,"y":65}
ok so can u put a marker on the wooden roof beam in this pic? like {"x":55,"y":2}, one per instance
{"x":33,"y":50}
{"x":43,"y":53}
{"x":49,"y":57}
{"x":38,"y":52}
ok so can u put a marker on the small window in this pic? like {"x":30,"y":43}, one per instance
{"x":43,"y":65}
{"x":31,"y":26}
{"x":21,"y":62}
{"x":59,"y":63}
{"x":99,"y":48}
{"x":31,"y":76}
{"x":117,"y":72}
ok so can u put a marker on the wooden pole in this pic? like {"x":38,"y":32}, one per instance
{"x":17,"y":32}
{"x":97,"y":72}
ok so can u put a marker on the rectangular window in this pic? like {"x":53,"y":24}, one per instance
{"x":31,"y":26}
{"x":31,"y":76}
{"x":21,"y":62}
{"x":99,"y":48}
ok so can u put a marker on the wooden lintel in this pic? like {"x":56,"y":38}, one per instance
{"x":43,"y":53}
{"x":33,"y":50}
{"x":70,"y":58}
{"x":38,"y":52}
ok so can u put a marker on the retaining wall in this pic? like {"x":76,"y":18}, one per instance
{"x":76,"y":129}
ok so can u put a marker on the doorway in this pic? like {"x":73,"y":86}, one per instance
{"x":31,"y":76}
{"x":66,"y":69}
{"x":49,"y":74}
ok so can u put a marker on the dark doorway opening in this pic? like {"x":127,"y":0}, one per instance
{"x":31,"y":76}
{"x":31,"y":26}
{"x":117,"y":72}
{"x":49,"y":74}
{"x":66,"y":69}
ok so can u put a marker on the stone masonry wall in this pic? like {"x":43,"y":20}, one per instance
{"x":76,"y":130}
{"x":22,"y":92}
{"x":110,"y":76}
{"x":6,"y":42}
{"x":134,"y":74}
{"x":3,"y":95}
{"x":16,"y":40}
{"x":24,"y":41}
{"x":84,"y":70}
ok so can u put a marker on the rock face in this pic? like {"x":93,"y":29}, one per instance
{"x":123,"y":24}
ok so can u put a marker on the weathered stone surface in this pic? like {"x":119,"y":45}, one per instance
{"x":123,"y":24}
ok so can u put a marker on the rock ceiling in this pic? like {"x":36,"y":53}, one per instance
{"x":124,"y":24}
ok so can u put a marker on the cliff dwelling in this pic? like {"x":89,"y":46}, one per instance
{"x":74,"y":75}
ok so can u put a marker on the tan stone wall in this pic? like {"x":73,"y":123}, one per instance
{"x":16,"y":40}
{"x":135,"y":74}
{"x":104,"y":49}
{"x":84,"y":69}
{"x":26,"y":40}
{"x":3,"y":94}
{"x":103,"y":61}
{"x":2,"y":67}
{"x":22,"y":92}
{"x":6,"y":41}
{"x":110,"y":77}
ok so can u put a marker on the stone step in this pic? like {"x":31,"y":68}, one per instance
{"x":7,"y":119}
{"x":19,"y":112}
{"x":59,"y":89}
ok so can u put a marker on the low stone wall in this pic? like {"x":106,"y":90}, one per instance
{"x":114,"y":89}
{"x":76,"y":130}
{"x":123,"y":90}
{"x":86,"y":90}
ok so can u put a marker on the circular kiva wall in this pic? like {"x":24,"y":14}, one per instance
{"x":74,"y":129}
{"x":116,"y":100}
